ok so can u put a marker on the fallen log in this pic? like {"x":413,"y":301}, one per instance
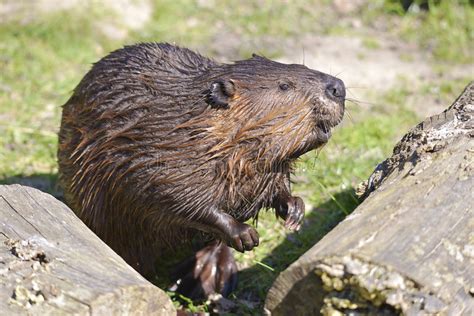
{"x":51,"y":263}
{"x":409,"y":247}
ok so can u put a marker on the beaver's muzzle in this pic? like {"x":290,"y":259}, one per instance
{"x":336,"y":90}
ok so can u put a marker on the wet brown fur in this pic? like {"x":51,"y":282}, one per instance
{"x":143,"y":153}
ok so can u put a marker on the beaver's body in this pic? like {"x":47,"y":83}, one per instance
{"x":158,"y":142}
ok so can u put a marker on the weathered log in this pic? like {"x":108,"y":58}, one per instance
{"x":409,"y":247}
{"x":51,"y":263}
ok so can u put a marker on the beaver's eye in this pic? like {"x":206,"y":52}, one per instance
{"x":284,"y":86}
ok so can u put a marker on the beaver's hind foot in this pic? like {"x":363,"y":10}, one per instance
{"x":211,"y":270}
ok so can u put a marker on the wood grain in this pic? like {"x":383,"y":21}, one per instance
{"x":51,"y":263}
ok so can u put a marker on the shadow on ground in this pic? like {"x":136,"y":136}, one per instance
{"x":255,"y":281}
{"x":46,"y":182}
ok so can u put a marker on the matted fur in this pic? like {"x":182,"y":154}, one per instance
{"x":142,"y":154}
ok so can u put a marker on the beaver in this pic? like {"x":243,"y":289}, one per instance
{"x":158,"y":143}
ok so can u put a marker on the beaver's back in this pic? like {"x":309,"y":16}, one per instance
{"x":129,"y":86}
{"x":116,"y":124}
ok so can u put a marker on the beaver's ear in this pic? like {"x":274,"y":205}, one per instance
{"x":220,"y":92}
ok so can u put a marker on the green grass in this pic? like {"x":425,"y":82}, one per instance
{"x":445,"y":31}
{"x":43,"y":60}
{"x":41,"y":63}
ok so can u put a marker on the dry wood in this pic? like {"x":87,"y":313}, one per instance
{"x":409,"y":247}
{"x":51,"y":263}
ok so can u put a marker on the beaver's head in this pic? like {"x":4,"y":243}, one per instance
{"x":285,"y":110}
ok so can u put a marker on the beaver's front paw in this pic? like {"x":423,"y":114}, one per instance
{"x":239,"y":236}
{"x":242,"y":237}
{"x":291,"y":209}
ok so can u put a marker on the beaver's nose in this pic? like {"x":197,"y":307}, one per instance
{"x":336,"y":89}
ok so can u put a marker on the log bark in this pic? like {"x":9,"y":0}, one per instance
{"x":51,"y":263}
{"x":409,"y":247}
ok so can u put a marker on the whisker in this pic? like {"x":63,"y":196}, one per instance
{"x":336,"y":75}
{"x":316,"y":157}
{"x":355,"y":87}
{"x":348,"y":90}
{"x":318,"y":152}
{"x":351,"y":101}
{"x":362,"y":102}
{"x":350,"y":117}
{"x":326,"y":127}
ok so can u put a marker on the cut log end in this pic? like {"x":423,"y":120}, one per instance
{"x":51,"y":263}
{"x":345,"y":285}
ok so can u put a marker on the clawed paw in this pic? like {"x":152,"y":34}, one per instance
{"x":243,"y":237}
{"x":291,"y":209}
{"x":211,"y":270}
